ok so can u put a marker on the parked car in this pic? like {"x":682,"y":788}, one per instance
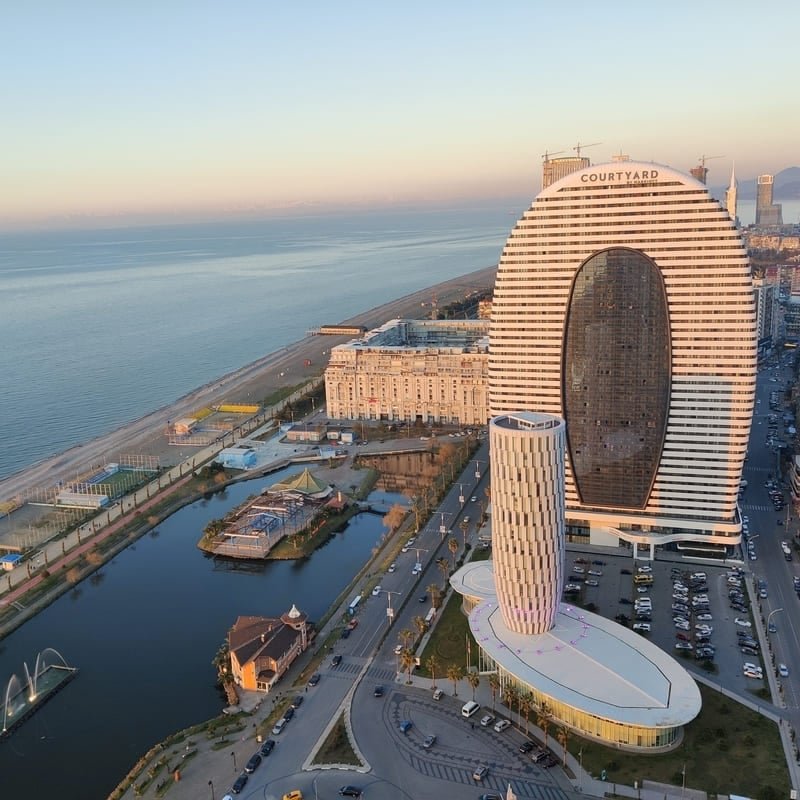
{"x":502,"y":725}
{"x":252,"y":763}
{"x":350,"y":791}
{"x":487,"y":720}
{"x":239,"y":783}
{"x":314,"y":679}
{"x":592,"y":582}
{"x":641,"y":627}
{"x":336,"y":660}
{"x":744,"y":623}
{"x":267,"y":748}
{"x":438,"y":694}
{"x":526,"y":746}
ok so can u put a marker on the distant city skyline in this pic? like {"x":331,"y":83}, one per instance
{"x":123,"y":111}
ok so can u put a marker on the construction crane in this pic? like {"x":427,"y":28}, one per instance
{"x":578,"y":147}
{"x":703,"y":159}
{"x":546,"y":156}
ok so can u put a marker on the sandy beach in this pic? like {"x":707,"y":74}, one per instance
{"x":251,"y":383}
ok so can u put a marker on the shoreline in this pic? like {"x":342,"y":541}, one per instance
{"x":287,"y":364}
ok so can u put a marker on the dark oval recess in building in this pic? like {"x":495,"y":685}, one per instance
{"x":616,"y":373}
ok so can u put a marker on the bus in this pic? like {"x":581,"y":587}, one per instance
{"x":351,"y":609}
{"x":430,"y":615}
{"x":646,"y":580}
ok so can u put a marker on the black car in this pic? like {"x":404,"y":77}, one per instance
{"x":350,"y":791}
{"x":423,"y":598}
{"x":267,"y":747}
{"x":378,"y":691}
{"x":526,"y":746}
{"x":490,"y":796}
{"x":288,"y":714}
{"x":314,"y":679}
{"x":576,"y":579}
{"x":239,"y":783}
{"x":548,"y":762}
{"x":346,"y":633}
{"x":336,"y":660}
{"x":599,"y":563}
{"x":252,"y":763}
{"x":624,"y":601}
{"x":298,"y":701}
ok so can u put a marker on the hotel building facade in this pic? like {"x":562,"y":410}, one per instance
{"x":431,"y":371}
{"x":624,"y":304}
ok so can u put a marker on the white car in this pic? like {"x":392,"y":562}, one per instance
{"x":592,"y":582}
{"x":783,"y":670}
{"x":376,"y":591}
{"x":417,"y":569}
{"x":704,"y":617}
{"x":744,"y":623}
{"x":578,"y":570}
{"x":502,"y":725}
{"x":398,"y":648}
{"x":642,"y":627}
{"x":598,"y":573}
{"x":392,"y":567}
{"x":473,"y":499}
{"x":487,"y":720}
{"x":645,"y":570}
{"x":639,"y":589}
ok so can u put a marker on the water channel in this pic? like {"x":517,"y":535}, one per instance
{"x":143,"y":632}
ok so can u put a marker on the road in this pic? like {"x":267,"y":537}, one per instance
{"x":771,"y":528}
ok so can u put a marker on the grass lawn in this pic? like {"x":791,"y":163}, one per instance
{"x":300,"y":545}
{"x":727,"y":749}
{"x":336,"y":749}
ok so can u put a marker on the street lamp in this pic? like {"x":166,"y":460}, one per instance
{"x":233,"y":756}
{"x":683,"y":780}
{"x":769,"y":618}
{"x":580,"y":772}
{"x":211,"y":784}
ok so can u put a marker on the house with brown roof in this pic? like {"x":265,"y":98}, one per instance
{"x":263,"y":648}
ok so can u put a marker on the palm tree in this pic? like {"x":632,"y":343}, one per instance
{"x":452,"y":546}
{"x":543,"y":719}
{"x":406,"y":637}
{"x":474,"y":680}
{"x":444,"y":568}
{"x":455,"y":672}
{"x":420,"y":624}
{"x":510,"y":695}
{"x":463,"y":525}
{"x":494,"y":686}
{"x":525,"y":707}
{"x":436,"y":595}
{"x":563,"y":738}
{"x":407,"y":662}
{"x":433,"y":667}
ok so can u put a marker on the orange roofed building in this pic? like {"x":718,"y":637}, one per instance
{"x":263,"y":648}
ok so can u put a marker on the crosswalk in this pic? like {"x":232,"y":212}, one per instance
{"x":757,"y":507}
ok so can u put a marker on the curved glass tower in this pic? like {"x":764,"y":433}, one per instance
{"x":624,"y":303}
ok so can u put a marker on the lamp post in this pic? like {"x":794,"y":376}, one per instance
{"x":683,"y":780}
{"x":580,"y":771}
{"x":770,"y":616}
{"x":211,"y":784}
{"x":233,"y":756}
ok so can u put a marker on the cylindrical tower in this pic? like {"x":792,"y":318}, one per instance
{"x":527,"y":463}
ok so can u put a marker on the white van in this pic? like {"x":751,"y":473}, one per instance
{"x":279,"y":726}
{"x":468,"y":709}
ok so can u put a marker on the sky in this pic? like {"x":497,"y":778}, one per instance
{"x":169,"y":108}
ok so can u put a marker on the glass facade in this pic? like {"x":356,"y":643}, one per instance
{"x":616,"y":377}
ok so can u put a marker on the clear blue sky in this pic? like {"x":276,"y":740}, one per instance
{"x":121,"y":108}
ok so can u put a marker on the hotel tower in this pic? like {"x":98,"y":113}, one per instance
{"x":624,"y":304}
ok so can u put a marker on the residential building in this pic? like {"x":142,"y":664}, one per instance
{"x":554,"y":169}
{"x":768,"y":214}
{"x":624,"y":303}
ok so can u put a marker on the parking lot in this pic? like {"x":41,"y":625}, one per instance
{"x":683,"y":612}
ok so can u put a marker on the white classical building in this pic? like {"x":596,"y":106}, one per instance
{"x":599,"y":678}
{"x":412,"y":370}
{"x":624,"y":304}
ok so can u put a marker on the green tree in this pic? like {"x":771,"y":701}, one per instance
{"x":455,"y":672}
{"x":474,"y":680}
{"x":420,"y":625}
{"x":494,"y":687}
{"x":433,"y":667}
{"x":444,"y":568}
{"x":407,"y":662}
{"x":452,"y":546}
{"x":436,"y":595}
{"x":544,"y":718}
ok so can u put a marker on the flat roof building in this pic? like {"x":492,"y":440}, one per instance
{"x":412,"y":370}
{"x":624,"y":303}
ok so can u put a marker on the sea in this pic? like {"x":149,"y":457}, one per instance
{"x":99,"y":327}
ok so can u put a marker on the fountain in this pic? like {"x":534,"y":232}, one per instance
{"x":50,"y":674}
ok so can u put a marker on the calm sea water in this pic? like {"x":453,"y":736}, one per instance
{"x":100,"y":327}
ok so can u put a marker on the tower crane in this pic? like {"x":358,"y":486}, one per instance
{"x":704,"y":158}
{"x":578,"y":147}
{"x":546,"y":156}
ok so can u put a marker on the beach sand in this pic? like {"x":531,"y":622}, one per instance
{"x":252,"y":383}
